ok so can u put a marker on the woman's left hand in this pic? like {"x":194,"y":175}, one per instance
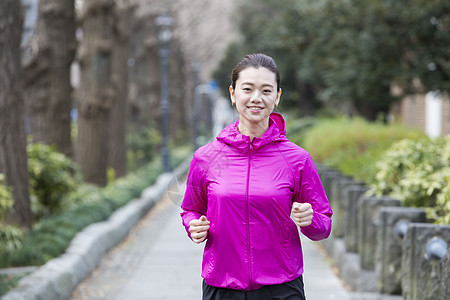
{"x":302,"y":213}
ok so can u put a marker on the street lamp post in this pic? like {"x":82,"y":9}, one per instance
{"x":199,"y":91}
{"x":195,"y":75}
{"x":164,"y":23}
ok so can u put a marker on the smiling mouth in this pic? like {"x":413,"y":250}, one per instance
{"x":255,"y":108}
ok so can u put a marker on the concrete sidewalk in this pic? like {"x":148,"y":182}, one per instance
{"x":158,"y":261}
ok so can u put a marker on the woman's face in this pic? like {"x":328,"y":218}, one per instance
{"x":255,"y":95}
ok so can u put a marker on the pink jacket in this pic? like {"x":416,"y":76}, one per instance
{"x":246,"y":190}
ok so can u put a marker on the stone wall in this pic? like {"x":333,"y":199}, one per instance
{"x":382,"y":248}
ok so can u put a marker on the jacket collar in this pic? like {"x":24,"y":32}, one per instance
{"x":276,"y":132}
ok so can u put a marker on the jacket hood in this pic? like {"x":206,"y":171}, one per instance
{"x":276,"y":132}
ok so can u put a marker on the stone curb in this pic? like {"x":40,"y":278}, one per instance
{"x":57,"y":279}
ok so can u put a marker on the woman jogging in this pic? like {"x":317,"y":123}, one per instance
{"x":242,"y":190}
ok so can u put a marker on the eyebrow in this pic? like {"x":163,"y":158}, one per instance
{"x":264,"y":84}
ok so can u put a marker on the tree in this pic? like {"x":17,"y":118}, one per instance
{"x":51,"y":51}
{"x":13,"y":156}
{"x":179,"y":110}
{"x":284,"y":38}
{"x":95,"y":94}
{"x":351,"y":64}
{"x":146,"y":72}
{"x":426,"y":43}
{"x":351,"y":52}
{"x":362,"y":48}
{"x":117,"y":159}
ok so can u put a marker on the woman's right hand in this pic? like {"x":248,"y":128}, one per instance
{"x":199,"y":229}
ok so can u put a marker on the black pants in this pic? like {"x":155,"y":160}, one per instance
{"x":292,"y":290}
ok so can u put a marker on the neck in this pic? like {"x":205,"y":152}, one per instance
{"x":253,"y":129}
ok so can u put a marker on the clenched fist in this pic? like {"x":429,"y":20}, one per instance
{"x":199,"y":229}
{"x":302,"y":213}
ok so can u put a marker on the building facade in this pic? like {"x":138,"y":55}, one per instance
{"x":430,"y":112}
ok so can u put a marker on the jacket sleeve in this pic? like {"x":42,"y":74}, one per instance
{"x":311,"y":191}
{"x":195,"y":200}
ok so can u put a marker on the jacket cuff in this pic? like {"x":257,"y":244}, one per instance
{"x":188,"y":216}
{"x":319,"y":229}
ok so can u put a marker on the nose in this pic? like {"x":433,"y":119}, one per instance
{"x":256,"y":97}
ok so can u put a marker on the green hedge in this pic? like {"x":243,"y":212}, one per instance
{"x":353,"y":146}
{"x":296,"y":129}
{"x":8,"y":282}
{"x":51,"y":236}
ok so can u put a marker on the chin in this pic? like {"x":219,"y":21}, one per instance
{"x":257,"y":119}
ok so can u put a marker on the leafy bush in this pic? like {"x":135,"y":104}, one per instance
{"x":418,"y":174}
{"x":51,"y":236}
{"x":296,"y":128}
{"x":52,"y":176}
{"x":353,"y":146}
{"x":11,"y":238}
{"x":6,"y":201}
{"x":9,"y":281}
{"x":142,"y":146}
{"x":441,"y":212}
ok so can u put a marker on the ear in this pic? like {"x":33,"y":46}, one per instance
{"x":233,"y":100}
{"x":277,"y":101}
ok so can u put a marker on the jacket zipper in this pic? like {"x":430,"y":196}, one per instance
{"x":248,"y":217}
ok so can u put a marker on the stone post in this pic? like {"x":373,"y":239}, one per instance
{"x":337,"y":204}
{"x":425,"y":262}
{"x":322,"y":168}
{"x":394,"y":222}
{"x":352,"y":195}
{"x":445,"y":286}
{"x":327,"y":176}
{"x":369,"y":208}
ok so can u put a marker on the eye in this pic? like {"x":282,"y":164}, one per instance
{"x":247,"y":89}
{"x":267,"y":91}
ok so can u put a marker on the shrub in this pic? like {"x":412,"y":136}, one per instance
{"x":11,"y":238}
{"x":9,"y":281}
{"x":52,"y":176}
{"x":418,"y":174}
{"x":441,"y":212}
{"x":142,"y":146}
{"x":51,"y":236}
{"x":6,"y":201}
{"x":297,"y":128}
{"x":353,"y":145}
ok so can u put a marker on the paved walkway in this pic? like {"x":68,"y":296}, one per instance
{"x":158,"y":261}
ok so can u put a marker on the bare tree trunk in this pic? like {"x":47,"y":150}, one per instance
{"x":47,"y":74}
{"x":179,"y":117}
{"x":145,"y":106}
{"x":95,"y":94}
{"x":306,"y":103}
{"x":119,"y":111}
{"x":13,"y":156}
